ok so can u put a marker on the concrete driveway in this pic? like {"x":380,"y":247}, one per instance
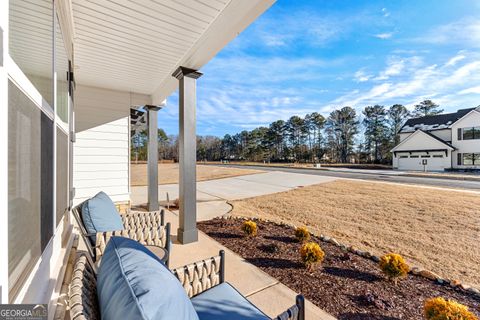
{"x":212,"y":195}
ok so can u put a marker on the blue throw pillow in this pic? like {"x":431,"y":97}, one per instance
{"x":132,"y":283}
{"x":99,"y":215}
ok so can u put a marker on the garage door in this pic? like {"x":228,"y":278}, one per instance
{"x":434,"y":163}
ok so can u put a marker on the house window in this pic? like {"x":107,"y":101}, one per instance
{"x":425,"y":156}
{"x":30,"y":185}
{"x":403,"y":157}
{"x":471,"y":159}
{"x":438,"y":156}
{"x":413,"y":156}
{"x":31,"y":41}
{"x":471,"y":133}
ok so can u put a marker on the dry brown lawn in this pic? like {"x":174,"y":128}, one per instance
{"x":435,"y":229}
{"x":168,"y":173}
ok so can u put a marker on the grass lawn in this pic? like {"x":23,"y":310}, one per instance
{"x":168,"y":173}
{"x":436,"y":229}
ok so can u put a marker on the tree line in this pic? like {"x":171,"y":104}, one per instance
{"x":342,"y":137}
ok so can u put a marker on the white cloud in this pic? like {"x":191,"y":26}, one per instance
{"x":396,"y":66}
{"x":472,"y":90}
{"x":465,"y":31}
{"x":361,"y":76}
{"x":448,"y":84}
{"x":385,"y":12}
{"x":453,"y":61}
{"x":384,"y":36}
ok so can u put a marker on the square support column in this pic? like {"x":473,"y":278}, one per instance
{"x":152,"y":157}
{"x":187,"y":231}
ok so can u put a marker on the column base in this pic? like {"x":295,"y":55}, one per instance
{"x":153,"y":206}
{"x":187,"y":236}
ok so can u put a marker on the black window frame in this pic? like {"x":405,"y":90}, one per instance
{"x":473,"y":133}
{"x":474,"y":157}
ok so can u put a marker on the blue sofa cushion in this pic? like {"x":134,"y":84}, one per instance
{"x":225,"y":302}
{"x":99,"y":214}
{"x":132,"y":283}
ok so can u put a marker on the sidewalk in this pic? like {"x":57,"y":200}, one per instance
{"x":212,"y":195}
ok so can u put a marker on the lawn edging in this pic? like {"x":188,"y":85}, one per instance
{"x":415,"y":270}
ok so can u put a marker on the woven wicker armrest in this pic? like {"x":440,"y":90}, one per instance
{"x":143,"y":219}
{"x":295,"y":312}
{"x":202,"y":275}
{"x":156,"y":236}
{"x":82,"y":292}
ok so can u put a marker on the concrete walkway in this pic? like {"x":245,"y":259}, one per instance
{"x":267,"y":293}
{"x":212,"y":195}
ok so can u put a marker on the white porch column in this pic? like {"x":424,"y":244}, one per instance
{"x":187,"y":231}
{"x":152,"y":157}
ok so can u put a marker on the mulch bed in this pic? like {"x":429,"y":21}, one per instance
{"x":347,"y":286}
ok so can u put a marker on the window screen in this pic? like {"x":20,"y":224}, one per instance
{"x":25,"y":186}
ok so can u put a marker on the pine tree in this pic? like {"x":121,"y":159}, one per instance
{"x":342,"y":126}
{"x":375,"y":123}
{"x":426,"y":108}
{"x":397,"y":115}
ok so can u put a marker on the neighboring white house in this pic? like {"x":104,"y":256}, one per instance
{"x":436,"y":143}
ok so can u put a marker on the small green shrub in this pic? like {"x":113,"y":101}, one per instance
{"x":311,"y":255}
{"x":249,"y":228}
{"x":394,"y":266}
{"x":302,"y":234}
{"x":441,"y":309}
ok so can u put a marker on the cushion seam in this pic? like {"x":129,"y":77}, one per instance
{"x":248,"y":301}
{"x":128,"y":281}
{"x":91,"y":220}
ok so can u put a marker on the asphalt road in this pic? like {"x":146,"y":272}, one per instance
{"x":434,"y":182}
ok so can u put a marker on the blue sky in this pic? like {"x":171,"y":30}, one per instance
{"x":306,"y":56}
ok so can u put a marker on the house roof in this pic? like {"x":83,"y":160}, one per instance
{"x":440,"y":121}
{"x":401,"y":147}
{"x":438,"y":139}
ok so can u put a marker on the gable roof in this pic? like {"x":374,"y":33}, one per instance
{"x":438,"y":139}
{"x":439,"y":121}
{"x":416,"y":133}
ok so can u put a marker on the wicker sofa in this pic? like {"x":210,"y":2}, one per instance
{"x":147,"y":227}
{"x":196,"y":278}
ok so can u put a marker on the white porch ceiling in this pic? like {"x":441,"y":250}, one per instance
{"x":135,"y":45}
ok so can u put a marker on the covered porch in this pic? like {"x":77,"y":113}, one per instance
{"x":134,"y":55}
{"x":106,"y":58}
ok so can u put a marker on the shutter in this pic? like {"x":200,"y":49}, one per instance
{"x":459,"y":158}
{"x":459,"y":132}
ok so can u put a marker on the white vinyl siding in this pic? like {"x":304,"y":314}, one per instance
{"x":445,"y":134}
{"x":468,"y":146}
{"x":101,"y":161}
{"x":102,"y":146}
